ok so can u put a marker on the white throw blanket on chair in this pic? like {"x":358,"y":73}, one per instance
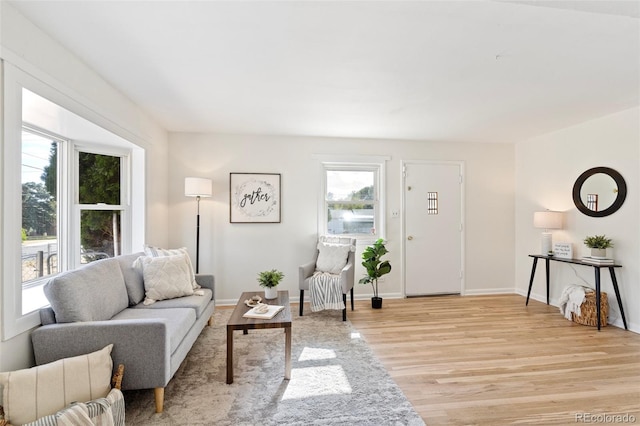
{"x":326,"y":291}
{"x":571,"y":299}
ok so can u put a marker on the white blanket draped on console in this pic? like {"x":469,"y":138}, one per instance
{"x":326,"y":291}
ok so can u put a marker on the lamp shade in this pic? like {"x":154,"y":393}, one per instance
{"x":547,"y":220}
{"x":197,"y":187}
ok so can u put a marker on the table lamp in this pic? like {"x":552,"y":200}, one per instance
{"x":547,"y":220}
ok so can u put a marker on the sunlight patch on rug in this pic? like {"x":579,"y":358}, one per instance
{"x":317,"y":381}
{"x":315,"y":354}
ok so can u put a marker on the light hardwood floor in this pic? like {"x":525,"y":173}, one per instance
{"x":490,"y":360}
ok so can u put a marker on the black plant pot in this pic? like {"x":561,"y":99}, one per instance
{"x":376,"y":302}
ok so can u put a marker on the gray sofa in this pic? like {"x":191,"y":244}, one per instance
{"x":101,"y":303}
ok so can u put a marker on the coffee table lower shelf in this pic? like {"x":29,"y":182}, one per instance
{"x":281,"y":320}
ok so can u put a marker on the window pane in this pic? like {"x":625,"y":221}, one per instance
{"x":350,"y":219}
{"x":99,"y":179}
{"x":343,"y":185}
{"x":99,"y":234}
{"x":39,"y":204}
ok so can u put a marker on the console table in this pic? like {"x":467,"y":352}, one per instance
{"x":596,"y":270}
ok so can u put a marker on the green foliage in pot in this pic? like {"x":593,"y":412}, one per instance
{"x":374,"y":265}
{"x":270,"y":278}
{"x":598,"y":242}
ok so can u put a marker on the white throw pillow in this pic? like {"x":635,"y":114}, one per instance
{"x":332,"y":257}
{"x":159,"y":252}
{"x":40,"y":391}
{"x":166,"y":277}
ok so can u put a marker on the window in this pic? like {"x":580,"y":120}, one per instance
{"x":39,"y":207}
{"x":67,"y":188}
{"x":352,"y":199}
{"x":93,"y":233}
{"x":99,"y":195}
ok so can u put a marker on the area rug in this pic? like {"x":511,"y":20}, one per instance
{"x":335,"y":380}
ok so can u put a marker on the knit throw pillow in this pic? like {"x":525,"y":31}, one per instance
{"x":332,"y":257}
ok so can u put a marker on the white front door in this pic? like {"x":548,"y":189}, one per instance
{"x":433,"y":231}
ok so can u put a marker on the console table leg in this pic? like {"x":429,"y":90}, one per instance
{"x":614,"y":281}
{"x":533,"y":273}
{"x":546,"y":265}
{"x":597,"y":272}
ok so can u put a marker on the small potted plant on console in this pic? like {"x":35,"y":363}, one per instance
{"x":598,"y":245}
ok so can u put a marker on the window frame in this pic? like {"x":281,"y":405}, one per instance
{"x":376,"y":164}
{"x":14,"y":81}
{"x":77,"y":208}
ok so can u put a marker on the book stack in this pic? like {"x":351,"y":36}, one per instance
{"x":598,"y":260}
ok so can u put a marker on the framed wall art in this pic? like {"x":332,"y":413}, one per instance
{"x":254,"y":197}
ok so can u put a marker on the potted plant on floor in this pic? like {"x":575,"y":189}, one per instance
{"x":270,"y":280}
{"x":375,"y":269}
{"x":598,"y":245}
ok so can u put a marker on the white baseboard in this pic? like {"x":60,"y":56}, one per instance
{"x":488,"y":291}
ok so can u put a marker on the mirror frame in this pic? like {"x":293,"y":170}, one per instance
{"x":622,"y":191}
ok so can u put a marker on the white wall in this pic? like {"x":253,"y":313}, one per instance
{"x":25,"y":46}
{"x":235,"y":253}
{"x":546,"y":169}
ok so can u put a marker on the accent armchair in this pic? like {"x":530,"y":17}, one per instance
{"x":334,"y":261}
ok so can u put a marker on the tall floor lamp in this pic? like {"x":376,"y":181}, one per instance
{"x":197,"y":187}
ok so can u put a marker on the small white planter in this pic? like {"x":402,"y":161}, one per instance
{"x":270,"y":292}
{"x":597,"y":253}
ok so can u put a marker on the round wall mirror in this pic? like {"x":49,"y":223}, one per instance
{"x":599,"y":192}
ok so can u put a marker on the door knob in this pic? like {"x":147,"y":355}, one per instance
{"x":410,"y":237}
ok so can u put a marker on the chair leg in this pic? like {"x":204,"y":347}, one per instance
{"x":301,"y":301}
{"x":344,"y":311}
{"x":352,"y":298}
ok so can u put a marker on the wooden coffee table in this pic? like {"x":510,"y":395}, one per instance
{"x":281,"y":320}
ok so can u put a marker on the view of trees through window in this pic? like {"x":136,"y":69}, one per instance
{"x":98,"y":196}
{"x":99,"y":185}
{"x":39,"y":207}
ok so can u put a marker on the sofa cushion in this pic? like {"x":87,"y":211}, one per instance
{"x":166,"y":277}
{"x":94,"y":292}
{"x":178,"y":321}
{"x":198,"y":303}
{"x":132,"y":277}
{"x":40,"y":391}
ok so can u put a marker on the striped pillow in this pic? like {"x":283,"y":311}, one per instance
{"x":40,"y":391}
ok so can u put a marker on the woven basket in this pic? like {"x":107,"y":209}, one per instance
{"x":589,"y":313}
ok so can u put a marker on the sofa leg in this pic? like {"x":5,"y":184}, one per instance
{"x":301,"y":300}
{"x":159,"y":395}
{"x":210,"y":322}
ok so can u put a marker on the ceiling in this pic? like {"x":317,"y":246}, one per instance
{"x":477,"y":71}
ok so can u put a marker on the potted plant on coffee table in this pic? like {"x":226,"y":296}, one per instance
{"x":270,"y":280}
{"x":598,"y":245}
{"x":375,"y":269}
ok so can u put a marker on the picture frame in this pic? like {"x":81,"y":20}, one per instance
{"x":255,"y":197}
{"x":563,"y":250}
